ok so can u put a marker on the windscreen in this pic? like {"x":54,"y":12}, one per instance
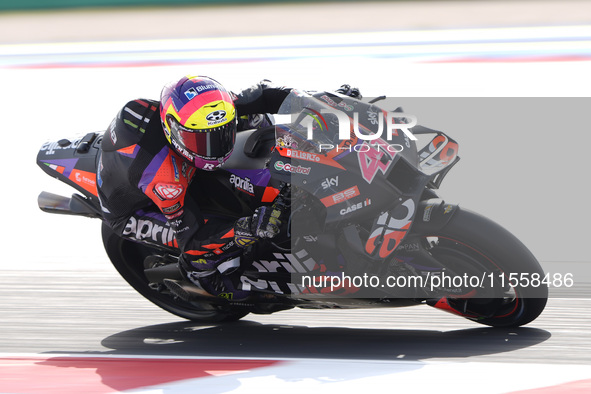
{"x":307,"y":125}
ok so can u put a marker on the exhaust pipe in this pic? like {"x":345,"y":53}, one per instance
{"x":187,"y":291}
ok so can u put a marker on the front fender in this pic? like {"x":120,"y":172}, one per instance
{"x":432,"y":215}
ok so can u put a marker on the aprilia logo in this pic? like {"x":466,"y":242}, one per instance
{"x":299,"y":262}
{"x":242,"y":184}
{"x":148,"y":230}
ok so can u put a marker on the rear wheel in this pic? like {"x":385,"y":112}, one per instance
{"x":128,"y":258}
{"x":510,"y":290}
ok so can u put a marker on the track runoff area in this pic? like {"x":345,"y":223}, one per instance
{"x":520,"y":44}
{"x":75,"y":373}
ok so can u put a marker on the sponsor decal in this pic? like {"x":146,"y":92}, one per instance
{"x":330,"y":182}
{"x":296,"y":154}
{"x":190,"y":173}
{"x":187,"y":171}
{"x":217,"y":249}
{"x":168,"y":191}
{"x":87,"y":180}
{"x":373,"y":118}
{"x":340,"y":197}
{"x":176,"y":170}
{"x":389,"y":231}
{"x":80,"y":178}
{"x":373,"y":160}
{"x":287,"y":141}
{"x":148,"y":230}
{"x":50,"y":147}
{"x":192,"y":92}
{"x":355,"y":207}
{"x":307,"y":156}
{"x":334,"y":104}
{"x":210,"y":167}
{"x":55,"y":167}
{"x":299,"y":262}
{"x":175,"y":214}
{"x":182,"y":150}
{"x":440,"y":152}
{"x":100,"y":170}
{"x":427,"y":213}
{"x":171,"y":209}
{"x":216,"y":117}
{"x":242,"y":184}
{"x":410,"y":247}
{"x":112,"y":132}
{"x":281,"y":166}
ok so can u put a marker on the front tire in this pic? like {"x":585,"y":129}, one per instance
{"x":474,"y":241}
{"x":128,"y":258}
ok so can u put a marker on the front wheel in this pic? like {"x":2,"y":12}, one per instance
{"x":128,"y":258}
{"x":510,"y":289}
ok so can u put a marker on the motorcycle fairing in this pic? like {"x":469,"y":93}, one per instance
{"x":368,"y":181}
{"x":73,"y":162}
{"x":390,"y":180}
{"x":438,"y":154}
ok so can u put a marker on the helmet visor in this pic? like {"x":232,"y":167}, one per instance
{"x":211,"y":143}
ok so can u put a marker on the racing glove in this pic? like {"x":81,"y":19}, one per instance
{"x":350,"y":91}
{"x":265,"y":223}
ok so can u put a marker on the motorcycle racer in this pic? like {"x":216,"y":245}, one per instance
{"x":152,"y":151}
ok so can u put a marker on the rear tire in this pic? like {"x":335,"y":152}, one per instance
{"x":470,"y":238}
{"x":128,"y":258}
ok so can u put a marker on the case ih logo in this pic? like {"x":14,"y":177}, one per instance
{"x":168,"y":191}
{"x":340,"y":197}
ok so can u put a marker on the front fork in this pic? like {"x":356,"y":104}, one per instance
{"x":414,"y":252}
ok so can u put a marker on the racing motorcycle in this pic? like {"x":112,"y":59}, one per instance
{"x":365,"y":227}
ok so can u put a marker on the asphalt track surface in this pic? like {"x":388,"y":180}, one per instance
{"x":98,"y":313}
{"x":49,"y":307}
